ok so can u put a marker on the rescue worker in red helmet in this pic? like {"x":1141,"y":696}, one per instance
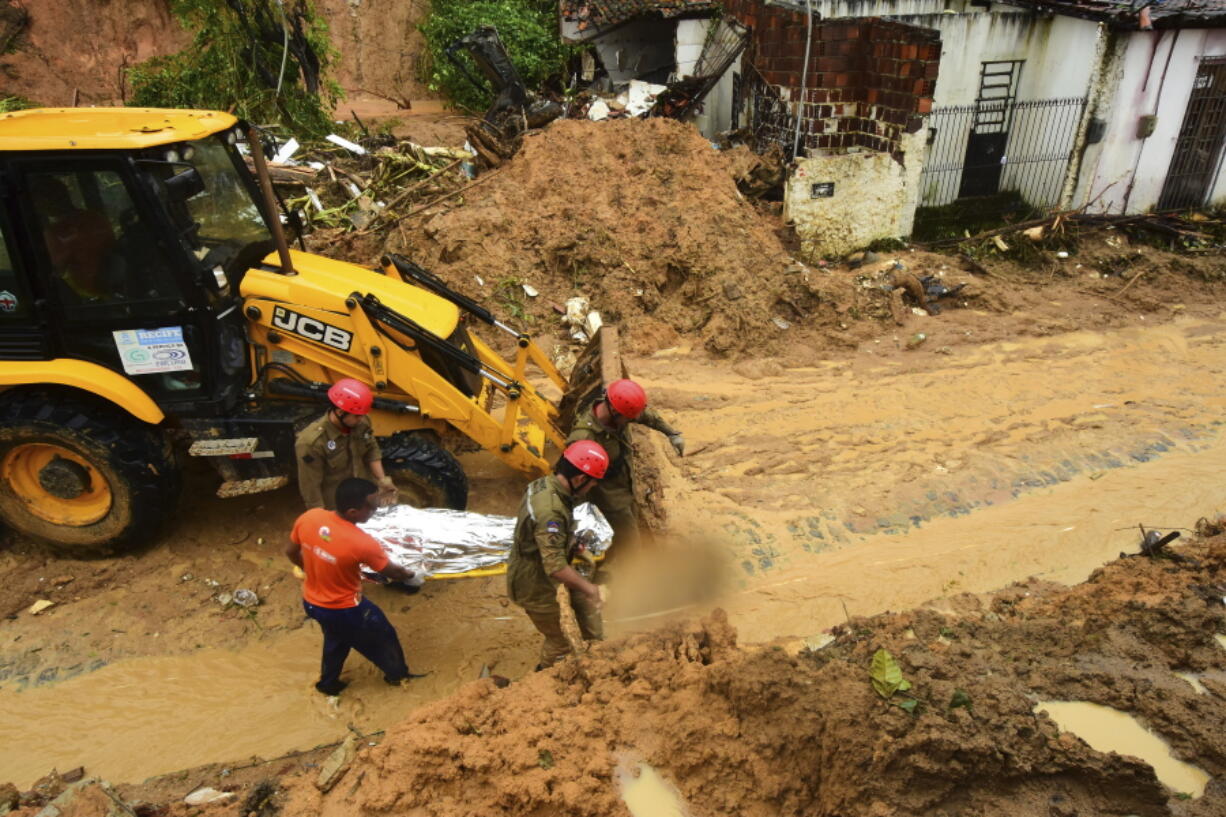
{"x":338,"y":445}
{"x":604,"y":422}
{"x":542,"y":550}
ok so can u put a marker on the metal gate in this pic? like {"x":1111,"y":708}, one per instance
{"x":1026,"y":153}
{"x":1198,"y":153}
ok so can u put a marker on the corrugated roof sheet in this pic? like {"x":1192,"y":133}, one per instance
{"x":604,"y":13}
{"x":1125,"y":14}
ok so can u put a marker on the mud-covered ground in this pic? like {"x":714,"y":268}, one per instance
{"x":764,"y":731}
{"x":1026,"y":438}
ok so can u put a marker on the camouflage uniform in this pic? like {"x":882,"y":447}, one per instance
{"x":614,"y":495}
{"x":326,"y":455}
{"x":542,"y":547}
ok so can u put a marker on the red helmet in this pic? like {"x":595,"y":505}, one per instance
{"x":589,"y":457}
{"x":351,"y":396}
{"x":626,"y":397}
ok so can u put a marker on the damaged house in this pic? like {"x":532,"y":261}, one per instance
{"x":904,"y":109}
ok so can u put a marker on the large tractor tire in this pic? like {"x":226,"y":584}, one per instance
{"x":81,"y":474}
{"x":426,"y":474}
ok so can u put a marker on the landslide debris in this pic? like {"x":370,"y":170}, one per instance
{"x":766,"y":733}
{"x":641,"y":216}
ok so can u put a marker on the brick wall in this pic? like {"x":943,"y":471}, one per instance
{"x":869,"y":80}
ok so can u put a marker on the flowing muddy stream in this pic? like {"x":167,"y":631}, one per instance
{"x":873,"y":482}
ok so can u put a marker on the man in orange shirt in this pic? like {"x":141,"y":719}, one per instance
{"x":330,"y":547}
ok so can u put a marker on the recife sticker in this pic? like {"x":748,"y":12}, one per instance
{"x":8,"y":301}
{"x":153,"y":351}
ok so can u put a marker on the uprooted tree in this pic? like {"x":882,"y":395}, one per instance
{"x":264,"y":60}
{"x":528,"y":29}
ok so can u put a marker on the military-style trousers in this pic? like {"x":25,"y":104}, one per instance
{"x":363,"y":628}
{"x":615,"y":498}
{"x":548,"y":623}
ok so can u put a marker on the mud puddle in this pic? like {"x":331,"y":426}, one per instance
{"x":646,"y":793}
{"x":1109,"y":730}
{"x":145,"y":716}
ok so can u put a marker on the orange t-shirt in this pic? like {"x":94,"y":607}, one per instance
{"x":332,"y":549}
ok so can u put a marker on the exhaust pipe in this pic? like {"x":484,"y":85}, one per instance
{"x":270,"y":201}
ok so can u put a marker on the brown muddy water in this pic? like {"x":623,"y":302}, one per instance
{"x":856,"y":486}
{"x":1109,"y":730}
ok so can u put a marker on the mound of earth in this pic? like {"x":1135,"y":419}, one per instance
{"x":768,"y":733}
{"x":641,"y":216}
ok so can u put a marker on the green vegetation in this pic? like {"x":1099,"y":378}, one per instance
{"x":528,"y":29}
{"x":971,"y":216}
{"x":260,"y":59}
{"x":15,"y":103}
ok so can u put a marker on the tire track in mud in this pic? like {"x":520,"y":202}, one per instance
{"x":821,"y":468}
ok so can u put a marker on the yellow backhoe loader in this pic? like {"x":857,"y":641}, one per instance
{"x":150,"y":308}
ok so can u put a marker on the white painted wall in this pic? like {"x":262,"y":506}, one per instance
{"x":874,"y":197}
{"x":1152,"y":73}
{"x":691,"y":34}
{"x":637,"y":48}
{"x":1058,"y":51}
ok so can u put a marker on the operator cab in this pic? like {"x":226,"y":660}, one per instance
{"x":125,"y":246}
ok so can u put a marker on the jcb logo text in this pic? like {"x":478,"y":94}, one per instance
{"x":311,"y":329}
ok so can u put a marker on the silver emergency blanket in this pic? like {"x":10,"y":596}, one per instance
{"x":437,"y":542}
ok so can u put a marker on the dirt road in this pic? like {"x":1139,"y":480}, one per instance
{"x":876,"y":480}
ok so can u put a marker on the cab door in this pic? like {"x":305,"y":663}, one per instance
{"x":22,"y":333}
{"x":109,"y":276}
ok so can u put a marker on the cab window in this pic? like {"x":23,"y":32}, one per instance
{"x":101,"y":257}
{"x":15,"y":302}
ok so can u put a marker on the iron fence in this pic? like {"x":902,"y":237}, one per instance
{"x":997,"y":148}
{"x":1197,"y":158}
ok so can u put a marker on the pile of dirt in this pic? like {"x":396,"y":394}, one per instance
{"x":767,"y":733}
{"x":641,"y":216}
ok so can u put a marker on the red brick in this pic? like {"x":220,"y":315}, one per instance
{"x":910,"y":52}
{"x":931,"y":69}
{"x":923,"y":105}
{"x":905,"y":68}
{"x":834,"y":64}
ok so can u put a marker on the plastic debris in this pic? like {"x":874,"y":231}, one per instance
{"x":599,"y":110}
{"x":916,"y":340}
{"x":341,"y":141}
{"x":781,"y":323}
{"x":246,"y":598}
{"x":530,"y":290}
{"x":641,"y":96}
{"x":207,"y":795}
{"x":40,"y":605}
{"x":287,"y":150}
